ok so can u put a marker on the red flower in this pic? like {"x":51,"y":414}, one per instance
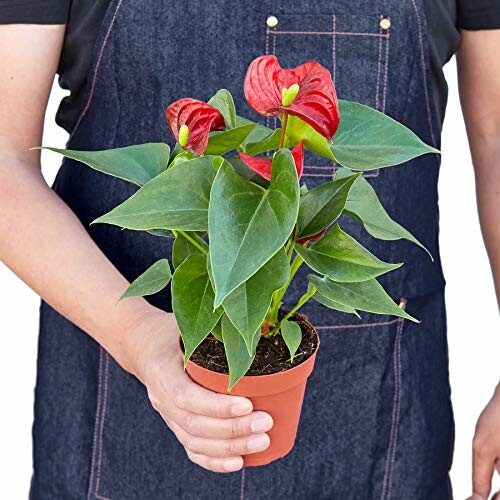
{"x":306,"y":91}
{"x":316,"y":236}
{"x":191,"y":121}
{"x":262,"y":166}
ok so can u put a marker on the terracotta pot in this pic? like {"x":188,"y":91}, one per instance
{"x":280,"y":395}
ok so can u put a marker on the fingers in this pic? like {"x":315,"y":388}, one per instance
{"x":223,"y":428}
{"x":215,"y":429}
{"x":193,"y":398}
{"x":483,"y":463}
{"x":231,"y":464}
{"x":221,"y":448}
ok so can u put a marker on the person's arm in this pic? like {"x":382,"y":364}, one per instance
{"x":479,"y":81}
{"x":43,"y":242}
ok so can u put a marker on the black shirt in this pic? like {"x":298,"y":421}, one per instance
{"x":83,"y":18}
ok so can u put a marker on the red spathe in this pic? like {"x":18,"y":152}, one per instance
{"x":316,"y":102}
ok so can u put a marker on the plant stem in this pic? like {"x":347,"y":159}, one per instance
{"x":272,"y":316}
{"x":297,"y":262}
{"x":300,"y":303}
{"x":283,"y":130}
{"x":200,"y":247}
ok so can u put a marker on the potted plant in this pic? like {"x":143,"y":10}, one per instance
{"x":242,"y":225}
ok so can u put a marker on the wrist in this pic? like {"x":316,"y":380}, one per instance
{"x":144,"y":337}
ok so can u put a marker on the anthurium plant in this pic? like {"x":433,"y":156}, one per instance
{"x":230,"y":195}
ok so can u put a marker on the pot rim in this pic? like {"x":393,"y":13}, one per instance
{"x":255,"y":385}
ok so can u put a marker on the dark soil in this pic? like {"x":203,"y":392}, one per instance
{"x":272,"y":354}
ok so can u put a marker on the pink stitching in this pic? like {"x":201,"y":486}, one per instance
{"x":378,"y":68}
{"x":101,"y":432}
{"x":386,"y":71}
{"x":96,"y":424}
{"x":329,"y":33}
{"x":274,"y":53}
{"x":99,"y":497}
{"x":361,"y":325}
{"x":398,"y":411}
{"x":96,"y":70}
{"x":242,"y":489}
{"x":396,"y":408}
{"x":334,"y":49}
{"x":320,"y":167}
{"x":369,"y":173}
{"x":317,"y":175}
{"x":266,"y":121}
{"x":394,"y":414}
{"x":422,"y":58}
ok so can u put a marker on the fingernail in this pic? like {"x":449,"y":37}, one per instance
{"x":261,"y":423}
{"x":477,"y":497}
{"x":258,"y":443}
{"x":241,"y":409}
{"x":233,"y":464}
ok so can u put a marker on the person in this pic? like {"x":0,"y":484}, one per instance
{"x":377,"y":420}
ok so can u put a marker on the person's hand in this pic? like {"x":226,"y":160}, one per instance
{"x":486,"y":448}
{"x":215,"y":429}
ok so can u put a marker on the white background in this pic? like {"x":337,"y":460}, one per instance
{"x":474,"y":324}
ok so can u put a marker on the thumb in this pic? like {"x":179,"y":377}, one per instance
{"x":482,"y":473}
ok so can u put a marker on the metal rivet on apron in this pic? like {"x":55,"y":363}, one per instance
{"x":272,"y":21}
{"x":385,"y":23}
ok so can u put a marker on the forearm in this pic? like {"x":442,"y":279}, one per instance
{"x":479,"y":84}
{"x":486,"y":155}
{"x":44,"y":243}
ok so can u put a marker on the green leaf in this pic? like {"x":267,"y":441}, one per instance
{"x":367,"y":139}
{"x":364,"y":205}
{"x":243,"y":171}
{"x":248,"y":305}
{"x":217,"y":330}
{"x":151,"y":281}
{"x":238,"y":358}
{"x":137,"y":164}
{"x":337,"y":306}
{"x":164,"y":233}
{"x":176,"y":199}
{"x":298,"y":130}
{"x":332,"y":304}
{"x":267,"y":143}
{"x":342,"y":258}
{"x":192,"y":302}
{"x":223,"y":101}
{"x":182,"y":249}
{"x":181,"y":157}
{"x":366,"y":296}
{"x":222,"y":142}
{"x":292,"y":335}
{"x":258,"y":134}
{"x":322,"y":206}
{"x":174,"y":153}
{"x":249,"y":224}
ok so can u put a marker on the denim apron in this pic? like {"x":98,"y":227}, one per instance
{"x":377,"y":420}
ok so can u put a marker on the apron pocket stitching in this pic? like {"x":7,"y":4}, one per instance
{"x":96,"y":423}
{"x":334,"y":49}
{"x":101,"y":430}
{"x":360,"y":325}
{"x":382,"y":77}
{"x":396,"y":412}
